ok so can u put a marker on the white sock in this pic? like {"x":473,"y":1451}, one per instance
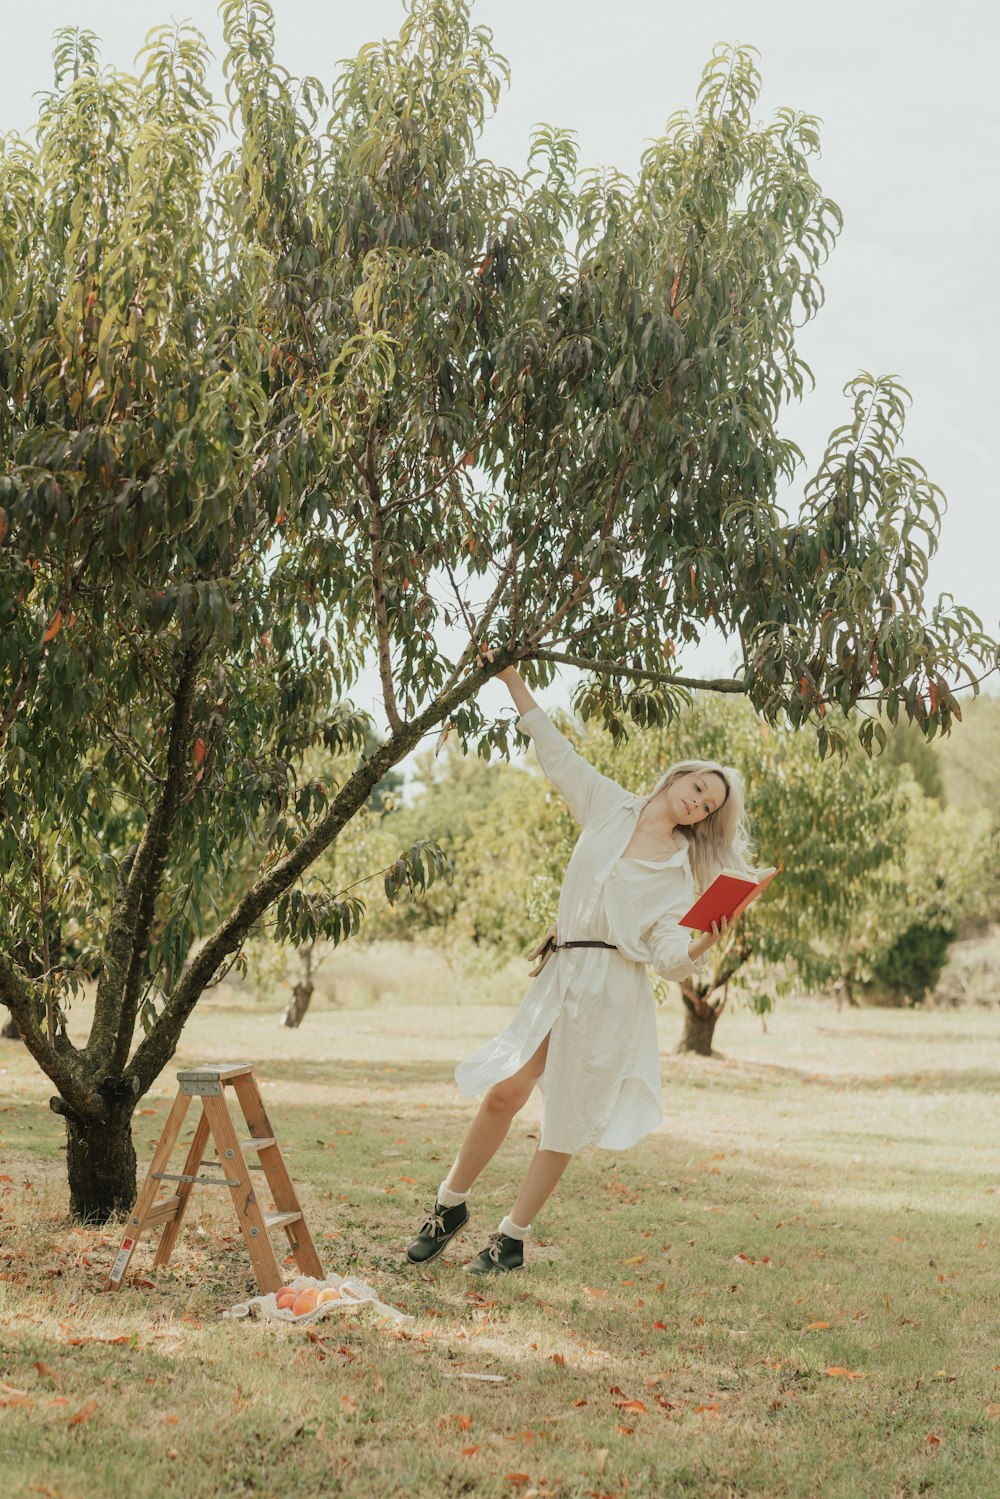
{"x":513,"y":1230}
{"x":449,"y":1199}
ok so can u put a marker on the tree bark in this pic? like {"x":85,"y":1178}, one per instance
{"x":101,"y":1166}
{"x":700,"y":1016}
{"x":302,"y":992}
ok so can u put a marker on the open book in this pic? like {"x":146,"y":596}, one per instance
{"x":728,"y":895}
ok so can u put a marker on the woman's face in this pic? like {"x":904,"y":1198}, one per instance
{"x":694,"y":796}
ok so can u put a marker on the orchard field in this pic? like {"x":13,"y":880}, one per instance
{"x":788,"y":1290}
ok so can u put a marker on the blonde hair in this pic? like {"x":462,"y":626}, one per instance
{"x":722,"y":840}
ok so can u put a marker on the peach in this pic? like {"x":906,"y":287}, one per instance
{"x":328,"y":1293}
{"x":286,"y":1296}
{"x":305,"y":1302}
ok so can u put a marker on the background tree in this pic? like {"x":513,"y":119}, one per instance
{"x":311,"y":954}
{"x":343,"y":386}
{"x":942,"y":876}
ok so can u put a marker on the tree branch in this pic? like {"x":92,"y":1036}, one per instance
{"x":614,"y":668}
{"x":159,"y":1044}
{"x":132,"y":913}
{"x":377,"y":544}
{"x":10,"y":713}
{"x":26,"y":1002}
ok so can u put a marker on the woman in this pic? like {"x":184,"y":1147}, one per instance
{"x":586,"y":1028}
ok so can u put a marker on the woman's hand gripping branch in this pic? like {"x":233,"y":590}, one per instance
{"x":511,"y":678}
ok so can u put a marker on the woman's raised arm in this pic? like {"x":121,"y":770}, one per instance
{"x":587,"y":792}
{"x":511,"y":679}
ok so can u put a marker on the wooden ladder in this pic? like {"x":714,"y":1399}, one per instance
{"x":208,"y":1083}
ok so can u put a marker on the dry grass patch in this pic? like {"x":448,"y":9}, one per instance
{"x":789,"y":1290}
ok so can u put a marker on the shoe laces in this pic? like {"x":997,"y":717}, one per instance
{"x":434,"y":1225}
{"x":495,"y":1246}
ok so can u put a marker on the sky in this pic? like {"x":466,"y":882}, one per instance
{"x":910,"y":112}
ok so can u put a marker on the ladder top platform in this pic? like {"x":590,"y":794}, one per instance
{"x":193,"y":1079}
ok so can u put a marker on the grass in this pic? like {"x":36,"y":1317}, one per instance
{"x":789,"y":1289}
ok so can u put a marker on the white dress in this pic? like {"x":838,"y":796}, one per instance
{"x":601,"y":1084}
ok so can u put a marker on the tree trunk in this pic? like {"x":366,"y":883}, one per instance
{"x":101,"y":1166}
{"x":700,"y":1016}
{"x":302,"y":992}
{"x":845,"y":992}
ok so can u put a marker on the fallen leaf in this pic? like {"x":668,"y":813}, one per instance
{"x":706,"y":1410}
{"x":519,"y":1478}
{"x":11,"y":1396}
{"x":632,"y":1405}
{"x":626,"y":1430}
{"x":601,"y":1457}
{"x":635,"y":1259}
{"x":839,"y":1372}
{"x":469,"y":1451}
{"x":932,"y":1440}
{"x":87,"y":1412}
{"x":815,"y":1326}
{"x":464,"y":1422}
{"x":349,"y":1405}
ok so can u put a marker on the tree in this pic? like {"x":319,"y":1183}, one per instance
{"x":941,"y":875}
{"x":344,"y":386}
{"x":484,"y":819}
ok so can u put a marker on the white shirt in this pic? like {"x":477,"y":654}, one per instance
{"x":601,"y":1084}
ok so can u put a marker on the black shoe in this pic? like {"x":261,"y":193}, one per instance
{"x":501,"y":1253}
{"x":440,"y":1228}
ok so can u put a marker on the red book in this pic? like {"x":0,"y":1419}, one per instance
{"x":728,"y":895}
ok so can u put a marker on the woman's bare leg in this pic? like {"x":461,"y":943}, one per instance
{"x":488,"y":1130}
{"x":547,"y":1166}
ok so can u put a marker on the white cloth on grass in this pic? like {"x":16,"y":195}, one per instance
{"x":601,"y":1084}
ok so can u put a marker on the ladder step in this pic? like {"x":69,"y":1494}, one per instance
{"x":200,"y":1181}
{"x":278,"y":1220}
{"x":163,"y":1212}
{"x":261,"y":1142}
